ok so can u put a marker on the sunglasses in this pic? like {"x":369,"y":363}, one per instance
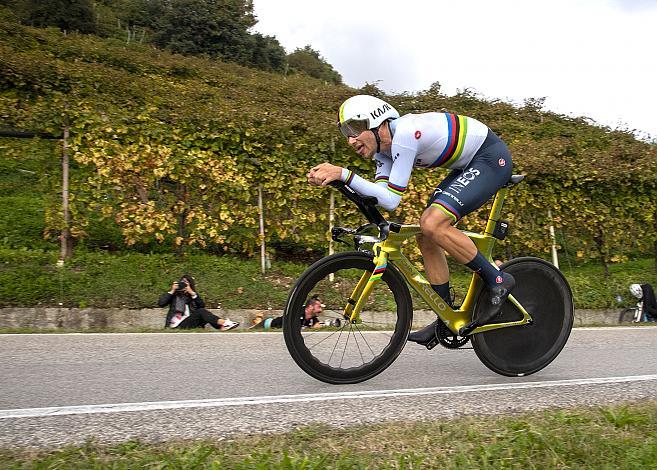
{"x":354,"y":127}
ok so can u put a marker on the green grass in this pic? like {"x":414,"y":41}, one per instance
{"x":136,"y":280}
{"x":591,"y":289}
{"x":619,"y":437}
{"x":31,"y":278}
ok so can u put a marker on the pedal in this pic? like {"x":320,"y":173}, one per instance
{"x":432,"y":343}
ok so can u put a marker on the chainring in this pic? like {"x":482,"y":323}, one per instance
{"x":448,"y":339}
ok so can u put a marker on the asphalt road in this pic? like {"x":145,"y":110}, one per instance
{"x":65,"y":389}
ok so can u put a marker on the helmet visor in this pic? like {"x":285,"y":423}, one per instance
{"x":353,"y":127}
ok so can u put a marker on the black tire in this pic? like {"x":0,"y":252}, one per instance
{"x":627,"y":315}
{"x":544,"y":292}
{"x":350,"y":353}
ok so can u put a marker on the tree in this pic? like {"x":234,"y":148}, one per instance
{"x":143,"y":13}
{"x":218,"y":28}
{"x":67,"y":15}
{"x":267,"y":54}
{"x":308,"y":61}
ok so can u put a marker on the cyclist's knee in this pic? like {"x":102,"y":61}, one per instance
{"x":434,"y":223}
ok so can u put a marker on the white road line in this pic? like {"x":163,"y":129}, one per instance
{"x":174,"y":405}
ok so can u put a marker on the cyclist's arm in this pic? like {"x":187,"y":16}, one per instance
{"x":391,"y":178}
{"x":383,"y":168}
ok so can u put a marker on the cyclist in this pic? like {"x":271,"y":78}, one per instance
{"x":480,"y":165}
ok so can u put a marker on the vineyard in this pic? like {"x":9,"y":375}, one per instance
{"x":169,"y":151}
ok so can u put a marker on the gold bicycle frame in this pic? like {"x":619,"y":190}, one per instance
{"x":389,"y":251}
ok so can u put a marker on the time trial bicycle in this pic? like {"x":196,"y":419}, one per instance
{"x":368,"y":289}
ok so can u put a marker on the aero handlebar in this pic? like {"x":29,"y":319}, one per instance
{"x":366,"y":205}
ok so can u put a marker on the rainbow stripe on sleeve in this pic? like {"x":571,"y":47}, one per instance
{"x":381,"y":179}
{"x":398,"y":190}
{"x":349,"y":178}
{"x":457,"y":129}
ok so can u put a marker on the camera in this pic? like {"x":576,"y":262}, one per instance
{"x":182,"y":284}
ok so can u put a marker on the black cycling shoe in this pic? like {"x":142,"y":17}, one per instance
{"x":496,"y":297}
{"x":425,"y":335}
{"x":500,"y":292}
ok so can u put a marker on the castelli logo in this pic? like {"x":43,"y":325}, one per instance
{"x":499,"y":279}
{"x":418,"y":134}
{"x":502,"y":162}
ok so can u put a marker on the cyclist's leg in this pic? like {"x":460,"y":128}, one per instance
{"x":436,"y":270}
{"x":459,"y":194}
{"x":433,"y":255}
{"x":435,"y":263}
{"x":489,"y":170}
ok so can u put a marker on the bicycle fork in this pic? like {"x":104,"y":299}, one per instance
{"x":364,"y":287}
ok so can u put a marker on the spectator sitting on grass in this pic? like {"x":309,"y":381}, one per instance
{"x":187,"y":309}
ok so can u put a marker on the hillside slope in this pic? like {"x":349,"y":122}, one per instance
{"x":171,"y":150}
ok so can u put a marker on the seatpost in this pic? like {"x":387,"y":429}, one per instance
{"x":496,"y":210}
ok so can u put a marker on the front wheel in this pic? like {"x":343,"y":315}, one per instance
{"x":628,"y":315}
{"x":522,"y":350}
{"x":350,"y":352}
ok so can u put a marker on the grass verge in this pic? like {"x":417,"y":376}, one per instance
{"x":30,"y":278}
{"x":609,"y":437}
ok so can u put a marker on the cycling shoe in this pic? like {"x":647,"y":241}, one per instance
{"x":425,"y":335}
{"x":501,"y":292}
{"x":497,"y":297}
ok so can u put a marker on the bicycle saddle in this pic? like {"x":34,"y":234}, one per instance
{"x":515,"y":179}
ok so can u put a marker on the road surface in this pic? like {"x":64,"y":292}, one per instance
{"x":65,"y":389}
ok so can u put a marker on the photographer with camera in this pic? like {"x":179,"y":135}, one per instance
{"x":187,"y":308}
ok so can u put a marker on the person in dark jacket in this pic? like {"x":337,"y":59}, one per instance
{"x":187,"y":308}
{"x":649,"y":303}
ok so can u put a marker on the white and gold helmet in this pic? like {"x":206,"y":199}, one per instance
{"x":363,"y":112}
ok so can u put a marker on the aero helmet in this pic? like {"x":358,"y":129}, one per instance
{"x":636,"y":291}
{"x":363,"y":112}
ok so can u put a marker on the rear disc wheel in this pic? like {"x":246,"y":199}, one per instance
{"x":522,"y":350}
